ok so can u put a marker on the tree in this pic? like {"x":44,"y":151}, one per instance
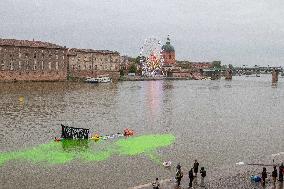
{"x":216,"y":64}
{"x":132,"y":68}
{"x":231,"y":66}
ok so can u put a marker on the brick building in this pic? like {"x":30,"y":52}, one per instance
{"x":92,"y":63}
{"x":23,"y":60}
{"x":168,"y":53}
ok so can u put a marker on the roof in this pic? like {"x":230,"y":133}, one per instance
{"x":168,"y":47}
{"x":74,"y":50}
{"x":27,"y":43}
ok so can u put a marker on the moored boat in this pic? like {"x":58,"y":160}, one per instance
{"x":103,"y":79}
{"x":99,"y":79}
{"x":91,"y":80}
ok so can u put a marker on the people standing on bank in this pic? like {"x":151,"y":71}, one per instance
{"x":179,"y":175}
{"x":156,"y":184}
{"x":195,"y":167}
{"x":281,"y":170}
{"x":274,"y":175}
{"x":191,"y":177}
{"x":203,"y":175}
{"x":263,"y":175}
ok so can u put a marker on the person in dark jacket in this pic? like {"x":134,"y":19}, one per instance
{"x":191,"y":177}
{"x":263,"y":175}
{"x":281,"y":170}
{"x":178,"y":167}
{"x":274,"y":175}
{"x":195,"y":167}
{"x":179,"y":175}
{"x":203,"y":175}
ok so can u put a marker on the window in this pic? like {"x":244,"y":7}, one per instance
{"x":96,"y":67}
{"x":79,"y":67}
{"x":11,"y":66}
{"x":49,"y":65}
{"x":170,"y":56}
{"x":85,"y":67}
{"x":56,"y":65}
{"x":41,"y":65}
{"x":90,"y":67}
{"x":2,"y":67}
{"x":73,"y":67}
{"x":42,"y":54}
{"x":34,"y":55}
{"x":63,"y":57}
{"x":35,"y":66}
{"x":27,"y":65}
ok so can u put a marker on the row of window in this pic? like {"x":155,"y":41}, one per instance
{"x":78,"y":67}
{"x":95,"y":59}
{"x":27,"y":66}
{"x":27,"y":55}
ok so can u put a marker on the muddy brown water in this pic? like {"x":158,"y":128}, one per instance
{"x":219,"y":123}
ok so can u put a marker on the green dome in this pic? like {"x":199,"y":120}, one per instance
{"x":168,"y":47}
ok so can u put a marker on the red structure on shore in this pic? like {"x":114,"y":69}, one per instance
{"x":168,"y":53}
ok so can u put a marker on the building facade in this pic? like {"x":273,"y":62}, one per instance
{"x":92,"y":63}
{"x":23,"y":60}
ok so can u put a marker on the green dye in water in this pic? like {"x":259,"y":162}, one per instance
{"x":69,"y":150}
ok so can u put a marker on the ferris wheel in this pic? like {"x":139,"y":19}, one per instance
{"x":151,"y":59}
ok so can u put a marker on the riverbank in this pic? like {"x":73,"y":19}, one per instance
{"x":239,"y":181}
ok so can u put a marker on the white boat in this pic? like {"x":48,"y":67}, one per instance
{"x":99,"y":79}
{"x":91,"y":80}
{"x":103,"y":79}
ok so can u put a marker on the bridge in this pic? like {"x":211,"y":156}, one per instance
{"x":257,"y":69}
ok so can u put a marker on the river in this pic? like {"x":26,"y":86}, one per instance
{"x":218,"y":122}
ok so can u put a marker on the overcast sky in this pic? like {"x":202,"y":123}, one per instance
{"x":234,"y":31}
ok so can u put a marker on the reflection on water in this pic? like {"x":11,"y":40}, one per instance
{"x":217,"y":122}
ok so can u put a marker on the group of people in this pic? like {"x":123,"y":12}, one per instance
{"x":192,"y":174}
{"x":274,"y":174}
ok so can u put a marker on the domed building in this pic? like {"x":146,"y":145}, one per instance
{"x":168,"y":53}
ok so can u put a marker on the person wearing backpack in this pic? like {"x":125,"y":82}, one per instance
{"x":179,"y":175}
{"x":203,"y":175}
